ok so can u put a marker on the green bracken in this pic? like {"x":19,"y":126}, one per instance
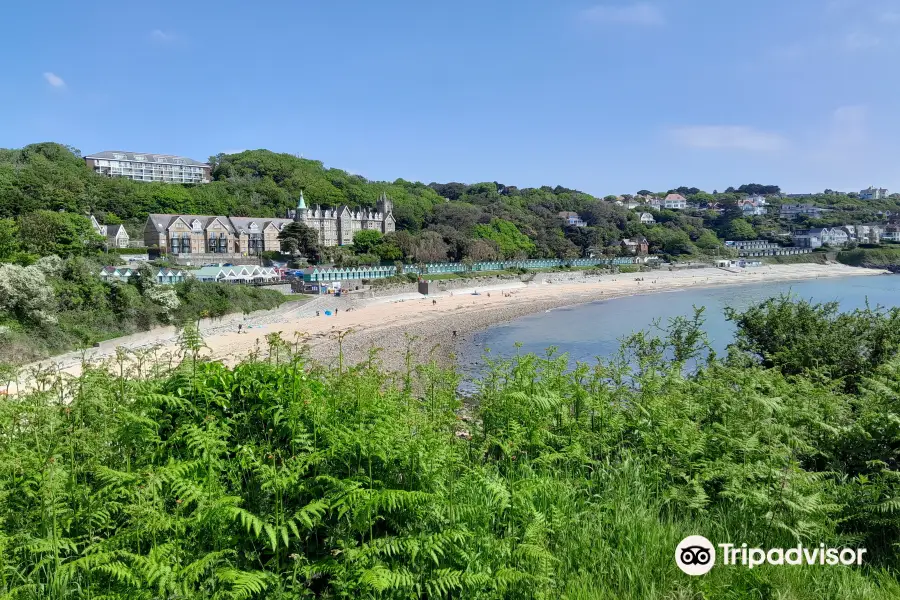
{"x":160,"y":478}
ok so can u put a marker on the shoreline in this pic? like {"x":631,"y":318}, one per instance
{"x":370,"y":325}
{"x":424,"y":326}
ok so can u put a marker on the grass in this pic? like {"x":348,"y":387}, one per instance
{"x":813,"y":258}
{"x":886,"y":256}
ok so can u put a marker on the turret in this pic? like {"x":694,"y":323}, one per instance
{"x":385,"y":205}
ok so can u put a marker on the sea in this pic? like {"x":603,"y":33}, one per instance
{"x":590,"y":331}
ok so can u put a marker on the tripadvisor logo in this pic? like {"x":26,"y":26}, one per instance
{"x":696,"y":555}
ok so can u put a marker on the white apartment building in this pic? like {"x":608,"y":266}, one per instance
{"x":873,"y":193}
{"x":163,"y":168}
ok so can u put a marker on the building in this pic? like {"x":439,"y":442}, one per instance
{"x":237,"y":274}
{"x":655,"y":203}
{"x":891,"y":233}
{"x":818,"y":237}
{"x":753,"y":206}
{"x":760,"y":248}
{"x":572,"y":219}
{"x":873,"y":193}
{"x":116,"y":236}
{"x":674,"y":202}
{"x":795,"y":210}
{"x":647,"y":219}
{"x":213,"y":235}
{"x":336,"y":226}
{"x":162,"y":276}
{"x":637,"y":245}
{"x":865,"y":234}
{"x":756,"y":199}
{"x":163,"y":168}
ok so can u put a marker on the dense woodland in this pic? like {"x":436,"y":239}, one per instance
{"x":280,"y":479}
{"x":438,"y":221}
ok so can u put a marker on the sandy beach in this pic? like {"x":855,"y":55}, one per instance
{"x":426,"y":326}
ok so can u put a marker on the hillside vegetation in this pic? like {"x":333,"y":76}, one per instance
{"x":278,"y":479}
{"x":874,"y":258}
{"x":56,"y":305}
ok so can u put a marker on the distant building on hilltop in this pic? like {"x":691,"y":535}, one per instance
{"x":675,"y":202}
{"x":795,"y":210}
{"x":647,"y":219}
{"x":873,"y":193}
{"x":138,"y":166}
{"x":337,"y":226}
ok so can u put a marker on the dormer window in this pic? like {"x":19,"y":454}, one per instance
{"x":196,"y":226}
{"x":140,"y":157}
{"x":119,"y":156}
{"x":254,"y":227}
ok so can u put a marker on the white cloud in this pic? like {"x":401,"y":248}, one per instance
{"x":163,"y":37}
{"x":858,"y":40}
{"x":639,"y":13}
{"x":889,"y":16}
{"x":54,"y":80}
{"x":849,"y":127}
{"x":728,"y":137}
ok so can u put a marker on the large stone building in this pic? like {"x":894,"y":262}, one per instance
{"x":191,"y":236}
{"x":141,"y":166}
{"x":203,"y":234}
{"x":336,"y":226}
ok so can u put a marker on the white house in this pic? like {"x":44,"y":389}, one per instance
{"x":816,"y":238}
{"x":647,"y":219}
{"x":116,"y":236}
{"x":873,"y":193}
{"x":675,"y":202}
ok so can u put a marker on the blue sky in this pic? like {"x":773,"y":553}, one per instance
{"x":603,"y":96}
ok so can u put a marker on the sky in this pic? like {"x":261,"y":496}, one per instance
{"x":608,"y":97}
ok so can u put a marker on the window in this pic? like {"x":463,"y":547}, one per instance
{"x":196,"y":226}
{"x":160,"y":159}
{"x":139,"y":157}
{"x":119,"y":156}
{"x":179,"y":161}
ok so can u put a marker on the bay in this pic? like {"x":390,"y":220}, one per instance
{"x":593,"y":330}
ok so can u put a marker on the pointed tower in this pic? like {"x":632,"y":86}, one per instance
{"x":299,"y":214}
{"x":385,"y":206}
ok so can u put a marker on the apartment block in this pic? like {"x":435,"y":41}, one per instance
{"x":138,"y":166}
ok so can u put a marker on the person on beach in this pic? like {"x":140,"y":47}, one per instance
{"x":240,"y":326}
{"x":433,"y":302}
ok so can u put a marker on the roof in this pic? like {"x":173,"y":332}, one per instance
{"x":166,"y":158}
{"x":646,"y":214}
{"x":675,"y":197}
{"x":242,"y":224}
{"x":113,"y":230}
{"x":161,"y":222}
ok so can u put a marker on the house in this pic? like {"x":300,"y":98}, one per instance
{"x":637,"y":245}
{"x":675,"y":202}
{"x":647,"y":219}
{"x":631,"y":204}
{"x":891,"y":234}
{"x":795,"y":210}
{"x":865,"y":234}
{"x":751,"y":210}
{"x":818,"y":237}
{"x":756,"y":199}
{"x":873,"y":193}
{"x":116,"y":236}
{"x":655,"y":203}
{"x":572,"y":219}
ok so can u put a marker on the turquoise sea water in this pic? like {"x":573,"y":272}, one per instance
{"x":593,"y":330}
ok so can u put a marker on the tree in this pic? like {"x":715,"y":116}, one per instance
{"x":645,"y":193}
{"x":9,"y":239}
{"x":483,"y":250}
{"x":740,"y":229}
{"x":430,"y":247}
{"x":507,"y":236}
{"x":299,"y":238}
{"x":46,"y":232}
{"x":366,"y":241}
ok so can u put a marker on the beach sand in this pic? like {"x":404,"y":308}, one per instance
{"x":426,"y":326}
